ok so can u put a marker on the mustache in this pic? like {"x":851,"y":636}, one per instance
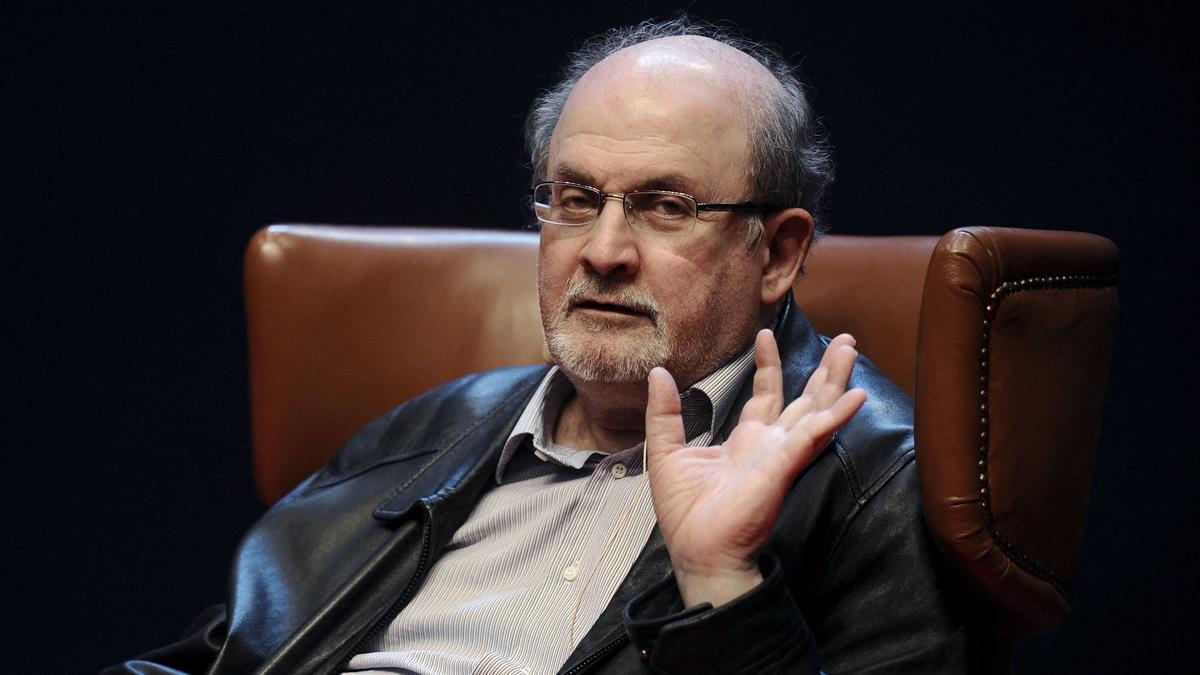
{"x":585,"y":287}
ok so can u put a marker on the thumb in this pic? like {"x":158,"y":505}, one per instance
{"x":664,"y":423}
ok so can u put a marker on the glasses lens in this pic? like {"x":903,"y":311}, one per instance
{"x":661,"y":212}
{"x":565,"y":204}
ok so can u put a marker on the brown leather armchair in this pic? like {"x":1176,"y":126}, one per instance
{"x":1002,"y":336}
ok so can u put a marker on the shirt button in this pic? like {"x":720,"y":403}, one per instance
{"x":571,"y":572}
{"x":618,"y":471}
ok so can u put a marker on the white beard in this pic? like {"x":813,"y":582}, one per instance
{"x":581,"y":347}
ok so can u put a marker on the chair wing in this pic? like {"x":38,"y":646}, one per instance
{"x":1012,"y":363}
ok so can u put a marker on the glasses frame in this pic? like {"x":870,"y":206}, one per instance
{"x":626,"y":208}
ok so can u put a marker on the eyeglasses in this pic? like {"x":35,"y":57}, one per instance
{"x":659,"y":212}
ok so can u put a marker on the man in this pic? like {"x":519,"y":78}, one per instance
{"x":504,"y":523}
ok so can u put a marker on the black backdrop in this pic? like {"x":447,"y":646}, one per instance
{"x":150,"y":142}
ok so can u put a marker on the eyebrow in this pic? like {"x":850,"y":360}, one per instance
{"x":564,"y":172}
{"x":672,"y":182}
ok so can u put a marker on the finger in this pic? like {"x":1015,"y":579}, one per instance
{"x":854,"y":399}
{"x":809,"y":437}
{"x":818,"y":377}
{"x":804,"y":404}
{"x":767,"y":401}
{"x":809,"y":398}
{"x":831,"y":350}
{"x":841,"y":364}
{"x":664,"y":422}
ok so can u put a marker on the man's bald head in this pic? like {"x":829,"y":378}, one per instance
{"x":688,"y":90}
{"x":718,"y":64}
{"x":787,"y":162}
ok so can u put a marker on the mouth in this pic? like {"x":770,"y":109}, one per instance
{"x":609,"y":307}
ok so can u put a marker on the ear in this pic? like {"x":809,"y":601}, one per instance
{"x":784,"y":246}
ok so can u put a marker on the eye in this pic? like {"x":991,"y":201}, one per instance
{"x":574,"y":200}
{"x":663,"y":206}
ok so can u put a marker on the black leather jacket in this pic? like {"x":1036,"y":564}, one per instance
{"x":852,"y":580}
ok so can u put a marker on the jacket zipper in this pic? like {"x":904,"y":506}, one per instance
{"x":405,"y":596}
{"x":595,"y":656}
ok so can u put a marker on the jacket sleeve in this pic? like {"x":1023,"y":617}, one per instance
{"x":883,"y":600}
{"x":194,"y":652}
{"x":759,"y":632}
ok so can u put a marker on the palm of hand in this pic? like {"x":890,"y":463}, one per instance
{"x":716,"y":506}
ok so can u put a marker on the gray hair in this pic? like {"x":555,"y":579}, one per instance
{"x":791,"y":161}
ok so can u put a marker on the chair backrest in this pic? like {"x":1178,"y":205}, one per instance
{"x":1005,"y":343}
{"x":346,"y":323}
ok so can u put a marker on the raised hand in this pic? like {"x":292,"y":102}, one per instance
{"x":716,"y":506}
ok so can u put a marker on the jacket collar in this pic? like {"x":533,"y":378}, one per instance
{"x":469,"y":466}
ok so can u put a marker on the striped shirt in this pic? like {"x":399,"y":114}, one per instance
{"x":541,"y":555}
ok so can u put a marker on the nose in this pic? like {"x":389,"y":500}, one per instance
{"x":611,"y":248}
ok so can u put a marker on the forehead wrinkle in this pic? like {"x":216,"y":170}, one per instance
{"x":634,"y":159}
{"x":578,"y":149}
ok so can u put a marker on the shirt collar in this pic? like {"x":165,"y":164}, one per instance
{"x":720,"y":388}
{"x":704,"y":406}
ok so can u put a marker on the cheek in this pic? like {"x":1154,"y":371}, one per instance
{"x":551,"y":257}
{"x":725,"y":290}
{"x":693,"y":294}
{"x":559,"y":253}
{"x":716,"y":268}
{"x":555,"y":266}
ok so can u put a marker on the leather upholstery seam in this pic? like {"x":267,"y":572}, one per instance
{"x":1005,"y":290}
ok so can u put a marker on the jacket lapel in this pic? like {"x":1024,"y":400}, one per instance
{"x":421,"y":524}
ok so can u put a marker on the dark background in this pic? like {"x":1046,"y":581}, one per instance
{"x":150,"y":142}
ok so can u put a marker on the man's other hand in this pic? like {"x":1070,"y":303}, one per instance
{"x":716,"y":506}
